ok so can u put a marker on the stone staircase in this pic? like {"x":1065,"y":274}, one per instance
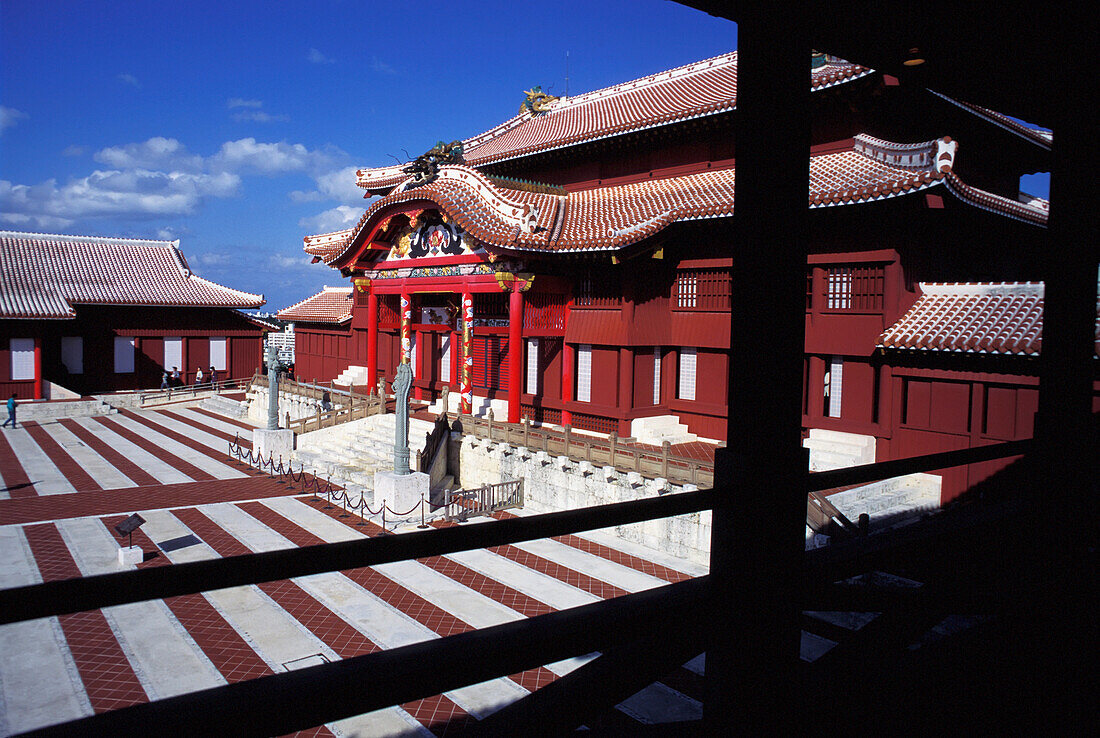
{"x":224,"y":406}
{"x":657,"y":429}
{"x":356,"y":375}
{"x":891,"y":503}
{"x":47,"y":410}
{"x":837,"y":450}
{"x":352,"y":452}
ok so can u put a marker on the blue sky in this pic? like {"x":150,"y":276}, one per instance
{"x":236,"y":126}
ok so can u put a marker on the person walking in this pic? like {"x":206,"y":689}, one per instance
{"x":11,"y":412}
{"x":213,"y":376}
{"x":175,"y":378}
{"x":198,"y":376}
{"x":164,"y":380}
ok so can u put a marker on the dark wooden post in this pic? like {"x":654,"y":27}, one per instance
{"x":760,"y":508}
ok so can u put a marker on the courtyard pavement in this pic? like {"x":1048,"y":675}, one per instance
{"x":67,"y":483}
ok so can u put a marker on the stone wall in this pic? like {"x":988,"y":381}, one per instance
{"x":553,"y":483}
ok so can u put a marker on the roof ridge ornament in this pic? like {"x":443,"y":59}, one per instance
{"x":425,"y":167}
{"x":537,"y":102}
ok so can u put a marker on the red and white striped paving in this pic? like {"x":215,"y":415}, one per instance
{"x":67,"y":484}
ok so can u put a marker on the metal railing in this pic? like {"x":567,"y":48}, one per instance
{"x":183,"y":391}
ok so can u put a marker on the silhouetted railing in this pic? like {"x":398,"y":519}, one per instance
{"x":287,"y":702}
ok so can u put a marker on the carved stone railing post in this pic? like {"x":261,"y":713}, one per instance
{"x":612,"y":439}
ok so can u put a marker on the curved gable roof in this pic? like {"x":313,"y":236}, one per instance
{"x":613,"y":217}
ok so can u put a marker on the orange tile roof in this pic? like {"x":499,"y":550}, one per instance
{"x":613,"y":217}
{"x":703,"y":88}
{"x":987,"y":318}
{"x":330,"y":305}
{"x":44,"y":275}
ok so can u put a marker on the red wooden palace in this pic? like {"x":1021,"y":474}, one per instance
{"x":575,"y":262}
{"x":98,"y":314}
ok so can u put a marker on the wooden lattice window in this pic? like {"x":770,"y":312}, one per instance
{"x":857,"y":289}
{"x":598,"y":290}
{"x":702,"y":289}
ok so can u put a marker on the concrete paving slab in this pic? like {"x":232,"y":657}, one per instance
{"x":165,"y":658}
{"x":162,"y":471}
{"x":47,"y":478}
{"x":39,"y":681}
{"x":595,"y":566}
{"x":373,"y":617}
{"x":101,"y":470}
{"x":195,"y":434}
{"x":190,"y":455}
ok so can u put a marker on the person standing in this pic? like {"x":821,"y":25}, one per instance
{"x":164,"y":380}
{"x":198,"y":376}
{"x":175,"y":376}
{"x":213,"y":376}
{"x":11,"y":411}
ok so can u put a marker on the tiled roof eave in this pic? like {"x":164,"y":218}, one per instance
{"x":1030,"y":135}
{"x":850,"y":75}
{"x":580,"y":140}
{"x":994,"y":203}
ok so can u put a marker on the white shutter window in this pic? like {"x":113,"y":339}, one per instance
{"x":412,"y":354}
{"x":657,"y":376}
{"x":835,"y":386}
{"x":124,"y":355}
{"x":72,"y":354}
{"x":173,"y":353}
{"x":217,"y":354}
{"x":532,"y":366}
{"x":687,"y":374}
{"x":22,"y":358}
{"x":584,"y":373}
{"x":445,"y":358}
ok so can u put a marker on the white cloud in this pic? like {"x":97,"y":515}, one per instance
{"x":214,"y":259}
{"x":239,"y":102}
{"x":283,"y":261}
{"x":136,"y":193}
{"x":338,"y":185}
{"x":247,"y":154}
{"x":129,"y":79}
{"x":159,"y":177}
{"x":258,"y":116}
{"x":338,"y":218}
{"x":10,"y":117}
{"x":377,"y":65}
{"x":74,"y":150}
{"x":156,"y":153}
{"x":317,"y":57}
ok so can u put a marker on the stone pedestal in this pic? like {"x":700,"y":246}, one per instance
{"x":400,"y":491}
{"x":130,"y":555}
{"x":273,"y":443}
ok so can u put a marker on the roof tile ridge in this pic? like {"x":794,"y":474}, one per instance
{"x":108,"y":240}
{"x":1026,"y":212}
{"x":256,"y":298}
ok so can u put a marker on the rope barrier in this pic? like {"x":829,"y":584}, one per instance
{"x":314,"y":485}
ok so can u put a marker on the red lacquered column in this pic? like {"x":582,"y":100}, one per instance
{"x":467,"y":359}
{"x":515,"y":353}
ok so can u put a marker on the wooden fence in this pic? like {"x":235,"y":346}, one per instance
{"x":462,"y":503}
{"x":355,"y":405}
{"x":595,"y":450}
